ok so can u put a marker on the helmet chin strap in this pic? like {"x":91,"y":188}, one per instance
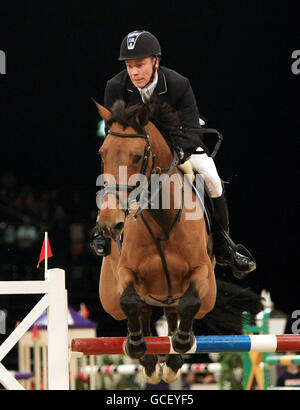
{"x":153,"y":74}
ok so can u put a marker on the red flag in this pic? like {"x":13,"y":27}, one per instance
{"x":35,"y":332}
{"x":84,"y":311}
{"x":42,"y":254}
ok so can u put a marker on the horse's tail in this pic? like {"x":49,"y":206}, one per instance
{"x":232,"y":300}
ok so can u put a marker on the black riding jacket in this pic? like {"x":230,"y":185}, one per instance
{"x":172,"y":88}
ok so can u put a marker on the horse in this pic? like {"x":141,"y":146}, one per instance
{"x":164,"y":258}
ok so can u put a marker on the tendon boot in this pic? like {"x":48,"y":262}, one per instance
{"x":99,"y":244}
{"x":225,"y":250}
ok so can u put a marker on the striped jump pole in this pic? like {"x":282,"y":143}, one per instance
{"x":283,"y":388}
{"x":131,"y":369}
{"x":282,"y":360}
{"x":202,"y":344}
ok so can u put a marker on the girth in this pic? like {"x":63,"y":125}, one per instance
{"x":150,"y":300}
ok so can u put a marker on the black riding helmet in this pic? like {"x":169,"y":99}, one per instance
{"x":139,"y":44}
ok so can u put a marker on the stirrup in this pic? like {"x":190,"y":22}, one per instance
{"x":239,"y":251}
{"x":238,"y":247}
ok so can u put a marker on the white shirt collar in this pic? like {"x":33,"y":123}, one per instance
{"x":147,"y":92}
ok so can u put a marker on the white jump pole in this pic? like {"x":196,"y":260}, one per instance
{"x":58,"y":350}
{"x":55,"y":300}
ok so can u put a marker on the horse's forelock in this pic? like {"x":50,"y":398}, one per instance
{"x":136,"y":116}
{"x":126,"y":116}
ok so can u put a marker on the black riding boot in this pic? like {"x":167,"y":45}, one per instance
{"x":226,"y":252}
{"x":99,"y":244}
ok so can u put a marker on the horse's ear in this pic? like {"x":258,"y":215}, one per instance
{"x":142,"y":116}
{"x":104,"y":112}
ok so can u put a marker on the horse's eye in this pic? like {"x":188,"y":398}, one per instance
{"x":137,"y":158}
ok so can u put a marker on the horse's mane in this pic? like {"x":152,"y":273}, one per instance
{"x":138,"y":115}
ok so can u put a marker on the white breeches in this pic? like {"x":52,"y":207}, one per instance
{"x":205,"y":165}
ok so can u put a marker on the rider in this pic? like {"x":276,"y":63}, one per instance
{"x":141,"y":52}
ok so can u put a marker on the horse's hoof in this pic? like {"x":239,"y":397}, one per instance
{"x":181,"y":344}
{"x":135,"y":351}
{"x":156,"y":376}
{"x":169,"y":376}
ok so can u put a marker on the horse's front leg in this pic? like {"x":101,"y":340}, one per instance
{"x":152,"y":370}
{"x":196,"y":302}
{"x":131,"y":305}
{"x":189,"y":304}
{"x":173,"y":362}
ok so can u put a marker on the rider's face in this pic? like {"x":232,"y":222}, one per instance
{"x":140,"y":70}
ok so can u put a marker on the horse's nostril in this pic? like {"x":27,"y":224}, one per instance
{"x":119,"y":226}
{"x":116,"y":230}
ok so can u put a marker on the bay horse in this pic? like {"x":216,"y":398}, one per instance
{"x":165,"y":258}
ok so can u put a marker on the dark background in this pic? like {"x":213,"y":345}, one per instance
{"x":60,"y":54}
